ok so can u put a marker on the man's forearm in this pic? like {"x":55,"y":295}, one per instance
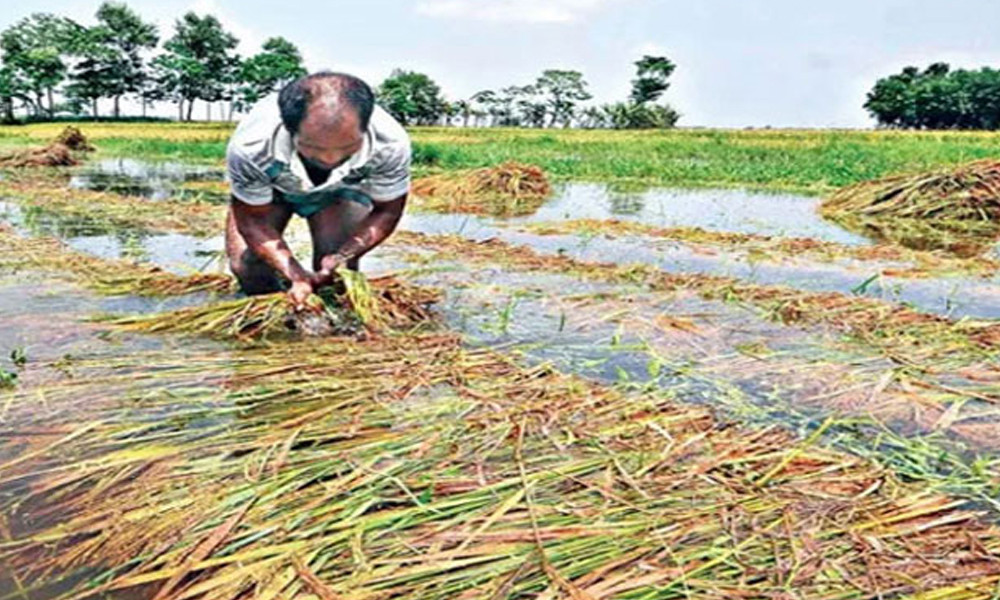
{"x":277,"y":254}
{"x":371,"y":232}
{"x":266,"y":243}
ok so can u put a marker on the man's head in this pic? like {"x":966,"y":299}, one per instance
{"x":327,"y":114}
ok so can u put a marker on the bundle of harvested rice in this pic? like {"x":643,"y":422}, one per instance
{"x":954,"y":208}
{"x":365,"y":307}
{"x":73,"y":138}
{"x":506,"y":190}
{"x":53,"y":155}
{"x":59,"y":152}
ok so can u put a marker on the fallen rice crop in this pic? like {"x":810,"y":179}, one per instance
{"x":48,"y":192}
{"x":366,"y":307}
{"x":903,"y":334}
{"x":920,"y":264}
{"x":955,"y":208}
{"x":509,"y":189}
{"x":410,"y":467}
{"x":111,"y":277}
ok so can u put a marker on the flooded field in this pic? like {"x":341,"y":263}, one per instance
{"x":590,"y":413}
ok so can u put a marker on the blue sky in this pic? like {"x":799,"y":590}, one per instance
{"x":740,"y":62}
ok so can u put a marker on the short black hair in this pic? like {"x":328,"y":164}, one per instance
{"x":295,"y":98}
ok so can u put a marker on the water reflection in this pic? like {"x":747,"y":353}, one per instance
{"x":156,"y":181}
{"x":738,"y":211}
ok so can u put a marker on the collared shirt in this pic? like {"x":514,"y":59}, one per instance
{"x":261,"y":158}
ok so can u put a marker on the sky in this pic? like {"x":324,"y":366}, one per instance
{"x":740,"y":63}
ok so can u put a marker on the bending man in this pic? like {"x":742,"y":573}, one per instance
{"x":320,"y":149}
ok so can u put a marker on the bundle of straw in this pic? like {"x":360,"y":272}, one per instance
{"x":365,"y":307}
{"x":506,"y":190}
{"x":950,"y":208}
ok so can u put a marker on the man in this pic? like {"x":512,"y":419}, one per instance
{"x":322,"y":150}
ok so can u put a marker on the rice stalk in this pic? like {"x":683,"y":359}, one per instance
{"x":105,"y":276}
{"x":368,"y":307}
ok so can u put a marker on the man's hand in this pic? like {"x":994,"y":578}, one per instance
{"x":328,"y":266}
{"x":299,"y":293}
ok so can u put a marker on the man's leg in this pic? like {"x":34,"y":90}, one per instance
{"x":334,"y":225}
{"x":255,"y":276}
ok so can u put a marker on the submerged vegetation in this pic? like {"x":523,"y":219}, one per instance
{"x":366,"y":307}
{"x":765,"y":247}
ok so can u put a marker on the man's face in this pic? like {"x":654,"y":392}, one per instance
{"x":325,"y":142}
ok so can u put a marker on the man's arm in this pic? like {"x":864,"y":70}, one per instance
{"x":267,"y":243}
{"x":372,"y":231}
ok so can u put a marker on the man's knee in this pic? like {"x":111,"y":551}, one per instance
{"x":254,"y":275}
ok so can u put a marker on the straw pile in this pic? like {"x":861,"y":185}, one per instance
{"x":411,"y":468}
{"x":507,"y":190}
{"x":59,"y":153}
{"x":955,"y":209}
{"x":73,"y":138}
{"x":367,"y":307}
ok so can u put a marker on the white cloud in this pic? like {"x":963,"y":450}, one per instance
{"x":525,"y":11}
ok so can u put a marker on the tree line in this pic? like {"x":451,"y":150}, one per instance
{"x":937,"y":97}
{"x":52,"y":66}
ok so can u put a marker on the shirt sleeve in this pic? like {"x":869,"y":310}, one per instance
{"x":247,"y":182}
{"x":391,"y":177}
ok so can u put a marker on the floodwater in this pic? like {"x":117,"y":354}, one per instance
{"x":738,"y":211}
{"x":157,"y":181}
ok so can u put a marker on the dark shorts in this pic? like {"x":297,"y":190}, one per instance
{"x":306,"y":205}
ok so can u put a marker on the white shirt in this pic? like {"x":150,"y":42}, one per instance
{"x":261,"y":158}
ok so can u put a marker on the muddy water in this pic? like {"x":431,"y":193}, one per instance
{"x":157,"y":181}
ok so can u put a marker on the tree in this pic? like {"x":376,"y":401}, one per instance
{"x":641,"y":110}
{"x":278,"y":64}
{"x":198,"y":63}
{"x":463,"y":108}
{"x":95,"y":75}
{"x":412,"y":98}
{"x":937,"y":98}
{"x":124,"y":36}
{"x":34,"y":49}
{"x":564,"y":89}
{"x":652,"y":73}
{"x":484,"y":105}
{"x":12,"y":87}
